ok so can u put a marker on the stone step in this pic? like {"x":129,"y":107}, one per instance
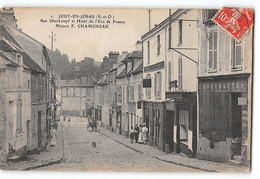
{"x":234,"y":163}
{"x":237,"y":158}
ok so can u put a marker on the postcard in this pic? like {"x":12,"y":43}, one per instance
{"x":126,"y":90}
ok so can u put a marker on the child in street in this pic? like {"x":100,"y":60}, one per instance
{"x":132,"y":134}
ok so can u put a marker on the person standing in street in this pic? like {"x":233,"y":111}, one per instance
{"x":136,"y":133}
{"x":53,"y":136}
{"x":140,"y":138}
{"x":144,"y":133}
{"x":132,"y":134}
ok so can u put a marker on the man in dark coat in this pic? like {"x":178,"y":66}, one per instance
{"x":136,"y":133}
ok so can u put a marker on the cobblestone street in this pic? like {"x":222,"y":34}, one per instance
{"x":75,"y":152}
{"x":108,"y":155}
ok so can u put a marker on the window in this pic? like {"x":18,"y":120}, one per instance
{"x":183,"y":121}
{"x":67,"y":92}
{"x":132,"y":93}
{"x":119,"y":94}
{"x":40,"y":86}
{"x":213,"y":50}
{"x":180,"y":78}
{"x":158,"y":45}
{"x":19,"y":117}
{"x":156,"y":114}
{"x":148,"y":90}
{"x":28,"y":84}
{"x":74,"y":92}
{"x":169,"y":73}
{"x":123,"y":96}
{"x":139,"y":92}
{"x":157,"y":84}
{"x":128,"y":93}
{"x":180,"y":33}
{"x":236,"y":53}
{"x":19,"y":70}
{"x":148,"y":51}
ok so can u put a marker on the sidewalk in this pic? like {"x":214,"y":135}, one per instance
{"x":50,"y":156}
{"x":177,"y":159}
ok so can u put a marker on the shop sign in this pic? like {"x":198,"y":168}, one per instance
{"x":226,"y":85}
{"x":242,"y":101}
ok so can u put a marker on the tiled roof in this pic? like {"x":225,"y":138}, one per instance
{"x":31,"y":64}
{"x":7,"y":59}
{"x":139,"y":69}
{"x":122,"y":74}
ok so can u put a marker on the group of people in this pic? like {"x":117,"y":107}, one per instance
{"x":139,"y":134}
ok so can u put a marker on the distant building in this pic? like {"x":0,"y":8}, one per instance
{"x":77,"y":96}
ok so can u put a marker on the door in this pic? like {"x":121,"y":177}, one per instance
{"x":39,"y":128}
{"x":28,"y":130}
{"x":236,"y":123}
{"x":169,"y":129}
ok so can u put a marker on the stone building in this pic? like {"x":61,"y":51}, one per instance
{"x":77,"y":96}
{"x":170,"y":71}
{"x":224,"y":93}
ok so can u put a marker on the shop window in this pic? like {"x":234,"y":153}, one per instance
{"x":183,"y":121}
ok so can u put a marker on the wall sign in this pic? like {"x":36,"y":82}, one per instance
{"x":242,"y":101}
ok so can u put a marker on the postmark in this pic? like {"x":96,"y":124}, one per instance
{"x":236,"y":21}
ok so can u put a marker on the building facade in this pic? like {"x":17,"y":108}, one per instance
{"x":170,"y":70}
{"x":77,"y":96}
{"x":224,"y":93}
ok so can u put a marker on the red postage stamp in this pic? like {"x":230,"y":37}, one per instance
{"x":236,"y":21}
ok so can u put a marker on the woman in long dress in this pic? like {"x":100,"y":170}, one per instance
{"x":144,"y":133}
{"x":140,"y":137}
{"x":53,"y":137}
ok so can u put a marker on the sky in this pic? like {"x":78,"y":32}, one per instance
{"x":85,"y":42}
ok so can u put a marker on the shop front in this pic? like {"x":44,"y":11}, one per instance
{"x":223,"y":118}
{"x":180,"y":123}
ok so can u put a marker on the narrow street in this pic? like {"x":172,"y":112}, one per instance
{"x":108,"y":155}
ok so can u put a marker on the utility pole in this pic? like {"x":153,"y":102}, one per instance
{"x":149,"y":18}
{"x":53,"y":38}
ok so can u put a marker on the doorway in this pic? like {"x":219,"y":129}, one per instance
{"x":39,"y":128}
{"x":236,"y":123}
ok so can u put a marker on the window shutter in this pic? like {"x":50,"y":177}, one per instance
{"x":155,"y":84}
{"x":160,"y":84}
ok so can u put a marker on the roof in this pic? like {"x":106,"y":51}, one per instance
{"x":161,"y":24}
{"x":138,"y":69}
{"x":31,"y":64}
{"x":136,"y":54}
{"x":9,"y":60}
{"x":122,"y":74}
{"x":34,"y":49}
{"x":4,"y":33}
{"x":10,"y":42}
{"x":86,"y":81}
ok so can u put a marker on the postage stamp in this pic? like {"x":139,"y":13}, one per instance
{"x":236,"y":21}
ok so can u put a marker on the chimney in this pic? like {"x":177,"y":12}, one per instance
{"x":7,"y":17}
{"x":138,"y":45}
{"x":113,"y":55}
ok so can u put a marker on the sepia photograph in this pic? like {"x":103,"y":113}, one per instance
{"x":126,"y":89}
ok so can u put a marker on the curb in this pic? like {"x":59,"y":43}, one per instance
{"x":155,"y":157}
{"x":43,"y":165}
